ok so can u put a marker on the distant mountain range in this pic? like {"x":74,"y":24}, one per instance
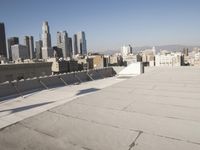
{"x":158,"y":48}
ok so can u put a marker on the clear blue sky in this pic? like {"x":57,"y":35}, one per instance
{"x":108,"y":23}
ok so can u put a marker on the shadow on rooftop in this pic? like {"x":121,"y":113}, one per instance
{"x":19,"y":109}
{"x":89,"y":90}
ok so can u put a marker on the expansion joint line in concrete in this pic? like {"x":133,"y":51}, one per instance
{"x":42,"y":83}
{"x":63,"y":81}
{"x":17,"y":90}
{"x":90,"y":76}
{"x":134,"y":142}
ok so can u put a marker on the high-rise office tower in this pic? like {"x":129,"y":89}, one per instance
{"x":81,"y":43}
{"x":31,"y":47}
{"x":38,"y":49}
{"x":63,"y":43}
{"x":3,"y":50}
{"x":12,"y":41}
{"x":28,"y":41}
{"x":75,"y":49}
{"x":47,"y":50}
{"x":70,"y":46}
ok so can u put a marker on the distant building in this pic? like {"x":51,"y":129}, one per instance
{"x":75,"y":49}
{"x":3,"y":60}
{"x":63,"y":66}
{"x":70,"y":46}
{"x":47,"y":50}
{"x":31,"y":48}
{"x":19,"y":52}
{"x":11,"y":41}
{"x":58,"y":53}
{"x":29,"y":42}
{"x":98,"y":61}
{"x":38,"y":49}
{"x":85,"y":63}
{"x":64,"y":44}
{"x":3,"y":50}
{"x":169,"y":59}
{"x":116,"y":60}
{"x":185,"y":51}
{"x":80,"y":46}
{"x":132,"y":59}
{"x":148,"y":55}
{"x":126,"y":50}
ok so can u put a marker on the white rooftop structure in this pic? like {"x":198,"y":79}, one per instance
{"x":158,"y":110}
{"x":126,"y":50}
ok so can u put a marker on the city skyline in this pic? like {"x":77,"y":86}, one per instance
{"x":139,"y":23}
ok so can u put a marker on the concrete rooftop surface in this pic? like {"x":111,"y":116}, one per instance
{"x":158,"y":110}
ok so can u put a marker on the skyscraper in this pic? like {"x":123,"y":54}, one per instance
{"x":63,"y":43}
{"x":38,"y":49}
{"x":47,"y":50}
{"x":70,"y":46}
{"x":31,"y":47}
{"x":12,"y":41}
{"x":27,"y":44}
{"x":28,"y":41}
{"x":81,"y":43}
{"x":75,"y":49}
{"x":3,"y":50}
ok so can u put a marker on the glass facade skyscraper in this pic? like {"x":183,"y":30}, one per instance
{"x":3,"y":50}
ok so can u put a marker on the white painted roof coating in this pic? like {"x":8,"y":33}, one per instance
{"x":158,"y":110}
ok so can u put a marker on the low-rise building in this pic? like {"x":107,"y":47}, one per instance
{"x":64,"y":66}
{"x":169,"y":59}
{"x":19,"y":52}
{"x":132,"y":59}
{"x":98,"y":61}
{"x":115,"y":60}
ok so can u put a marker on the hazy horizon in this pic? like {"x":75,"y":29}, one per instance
{"x":107,"y":24}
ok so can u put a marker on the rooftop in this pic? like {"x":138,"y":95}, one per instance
{"x":156,"y":110}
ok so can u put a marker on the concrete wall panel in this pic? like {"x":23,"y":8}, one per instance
{"x":82,"y":76}
{"x":6,"y":89}
{"x":51,"y":81}
{"x":70,"y":78}
{"x":29,"y":85}
{"x":18,"y":88}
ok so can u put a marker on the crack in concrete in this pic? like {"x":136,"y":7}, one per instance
{"x":91,"y":121}
{"x":134,"y":130}
{"x":160,"y":95}
{"x":172,"y":138}
{"x":160,"y":116}
{"x":51,"y":136}
{"x":131,"y":146}
{"x":173,"y":105}
{"x":38,"y":131}
{"x":124,"y":108}
{"x":132,"y":111}
{"x":86,"y":148}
